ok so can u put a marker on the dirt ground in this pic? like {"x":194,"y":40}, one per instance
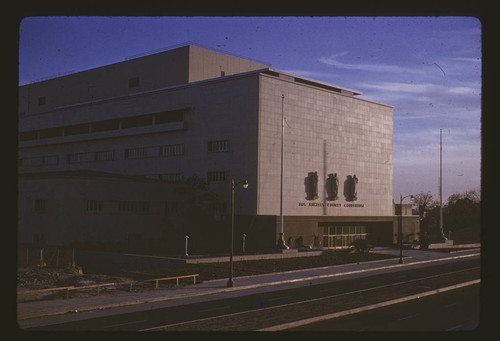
{"x":43,"y":278}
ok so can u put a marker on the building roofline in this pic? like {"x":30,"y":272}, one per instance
{"x":146,"y":54}
{"x":201,"y":82}
{"x":355,"y":92}
{"x":190,"y":43}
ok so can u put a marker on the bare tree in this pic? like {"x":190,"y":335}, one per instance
{"x":424,"y":203}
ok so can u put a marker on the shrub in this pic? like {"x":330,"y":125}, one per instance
{"x":361,"y":245}
{"x":424,"y":240}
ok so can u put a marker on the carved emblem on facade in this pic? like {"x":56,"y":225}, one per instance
{"x":353,"y":184}
{"x":312,"y":186}
{"x":332,"y":186}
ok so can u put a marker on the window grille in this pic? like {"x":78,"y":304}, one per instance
{"x":172,"y":150}
{"x":218,"y":146}
{"x":40,"y":205}
{"x":93,"y":206}
{"x":217,"y":177}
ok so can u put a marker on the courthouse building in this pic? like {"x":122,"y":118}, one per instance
{"x":100,"y":149}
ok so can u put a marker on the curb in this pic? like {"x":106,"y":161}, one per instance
{"x":251,"y":286}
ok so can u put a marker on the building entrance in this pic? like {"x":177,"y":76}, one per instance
{"x":340,"y":235}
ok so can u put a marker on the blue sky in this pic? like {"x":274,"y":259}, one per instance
{"x":428,"y":68}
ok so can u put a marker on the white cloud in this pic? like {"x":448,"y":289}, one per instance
{"x":420,"y":88}
{"x":386,"y":68}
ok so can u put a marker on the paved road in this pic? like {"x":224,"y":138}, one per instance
{"x":278,"y":307}
{"x":454,"y":310}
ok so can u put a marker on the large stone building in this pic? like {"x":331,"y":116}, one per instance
{"x":98,"y":150}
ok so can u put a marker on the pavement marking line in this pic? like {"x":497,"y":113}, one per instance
{"x":214,"y":309}
{"x":278,"y":298}
{"x":302,"y":302}
{"x":464,"y":326}
{"x":123,"y":324}
{"x":407,"y":317}
{"x":366,"y":308}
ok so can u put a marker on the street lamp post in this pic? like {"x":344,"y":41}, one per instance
{"x":243,"y":246}
{"x":400,"y":226}
{"x":230,"y":282}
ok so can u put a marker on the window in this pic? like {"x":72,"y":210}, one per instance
{"x":105,"y":125}
{"x":217,"y":177}
{"x":171,"y":207}
{"x":134,"y":206}
{"x":49,"y":133}
{"x":172,"y":178}
{"x":80,"y":157}
{"x":76,"y":129}
{"x":31,"y":161}
{"x":93,"y":206}
{"x":39,"y":238}
{"x":337,"y":235}
{"x":107,"y":155}
{"x":169,"y":117}
{"x":137,"y":121}
{"x":28,"y":136}
{"x":42,"y":100}
{"x":51,"y":160}
{"x":217,"y":207}
{"x":172,"y":150}
{"x":218,"y":146}
{"x":40,"y":205}
{"x":222,"y":73}
{"x":133,"y":82}
{"x":141,"y":152}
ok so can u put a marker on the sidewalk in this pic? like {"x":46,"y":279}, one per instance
{"x":412,"y":258}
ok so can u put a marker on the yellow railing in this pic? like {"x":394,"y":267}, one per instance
{"x":99,"y":286}
{"x":156,"y":280}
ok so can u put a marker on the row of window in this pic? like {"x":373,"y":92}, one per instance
{"x":172,"y":178}
{"x":157,"y":151}
{"x":341,"y":241}
{"x":343,"y":229}
{"x":97,"y":206}
{"x":335,"y":236}
{"x":130,"y":153}
{"x":106,"y":125}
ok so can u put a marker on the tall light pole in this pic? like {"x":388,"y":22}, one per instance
{"x":441,"y":183}
{"x":281,"y":240}
{"x":400,"y":227}
{"x":230,"y":282}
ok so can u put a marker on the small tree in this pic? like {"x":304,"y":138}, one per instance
{"x":361,"y":245}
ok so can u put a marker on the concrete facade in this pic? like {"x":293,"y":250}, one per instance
{"x":192,"y":111}
{"x":90,"y":207}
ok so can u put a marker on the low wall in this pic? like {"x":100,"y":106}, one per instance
{"x":449,"y":244}
{"x":275,"y":255}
